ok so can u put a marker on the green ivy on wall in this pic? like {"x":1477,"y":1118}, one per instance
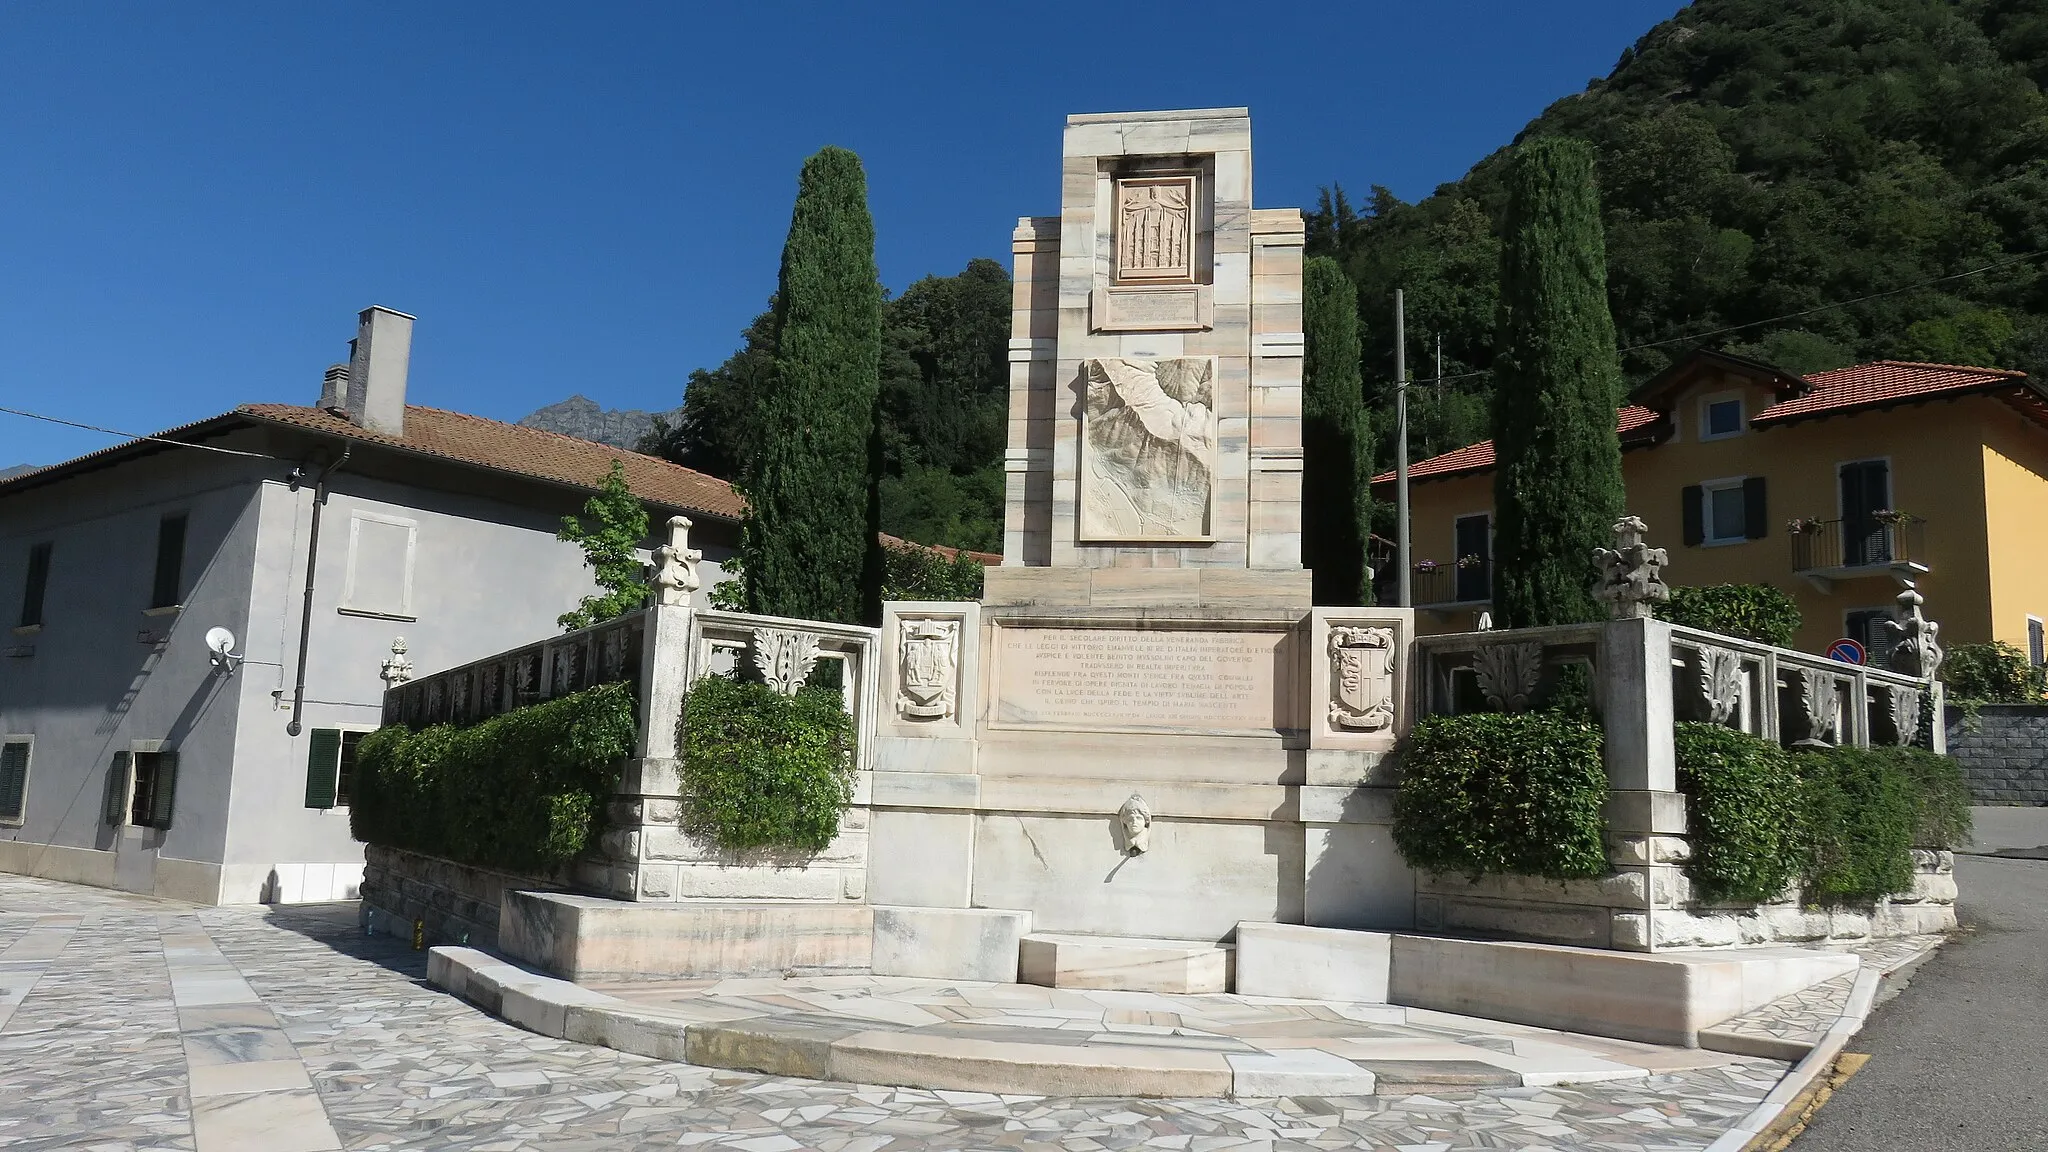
{"x":762,"y":770}
{"x":525,"y":791}
{"x":1498,"y":793}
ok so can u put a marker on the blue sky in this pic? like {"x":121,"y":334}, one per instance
{"x":196,"y":198}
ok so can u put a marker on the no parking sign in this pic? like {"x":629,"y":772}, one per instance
{"x":1847,"y":651}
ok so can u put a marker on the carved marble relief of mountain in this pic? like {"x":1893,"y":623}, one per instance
{"x":1148,"y":448}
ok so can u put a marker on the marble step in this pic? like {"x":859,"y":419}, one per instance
{"x":1124,"y":963}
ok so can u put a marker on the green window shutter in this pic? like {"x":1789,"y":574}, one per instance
{"x":166,"y":789}
{"x":323,"y":760}
{"x":116,"y":812}
{"x":1756,"y":508}
{"x":13,"y":778}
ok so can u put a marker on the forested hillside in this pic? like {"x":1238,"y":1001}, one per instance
{"x":945,"y":381}
{"x":1757,"y":159}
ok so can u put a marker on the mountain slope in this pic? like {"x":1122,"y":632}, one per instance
{"x":581,"y":417}
{"x":1761,"y":158}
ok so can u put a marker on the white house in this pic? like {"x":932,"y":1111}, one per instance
{"x":133,"y":757}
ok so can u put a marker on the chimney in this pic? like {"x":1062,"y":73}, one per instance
{"x":334,"y":390}
{"x":377,"y":369}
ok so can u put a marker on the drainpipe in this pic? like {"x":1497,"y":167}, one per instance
{"x":312,"y":562}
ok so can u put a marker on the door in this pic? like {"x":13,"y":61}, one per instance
{"x":1866,"y":491}
{"x":1475,"y":558}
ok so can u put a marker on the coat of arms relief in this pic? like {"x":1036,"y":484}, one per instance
{"x":1362,"y":679}
{"x":928,"y":663}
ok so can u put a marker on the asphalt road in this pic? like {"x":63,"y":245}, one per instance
{"x":1959,"y":1058}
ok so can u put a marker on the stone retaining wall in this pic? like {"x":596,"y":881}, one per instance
{"x":2004,"y":752}
{"x":460,"y":903}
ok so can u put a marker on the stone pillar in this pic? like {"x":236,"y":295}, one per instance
{"x":1645,"y":811}
{"x":925,"y":785}
{"x":1635,"y":704}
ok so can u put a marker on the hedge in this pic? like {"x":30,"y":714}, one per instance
{"x":762,"y":770}
{"x":1756,"y":612}
{"x":1991,"y":673}
{"x":1841,"y":821}
{"x":1493,"y":792}
{"x":1745,"y":816}
{"x":524,"y":791}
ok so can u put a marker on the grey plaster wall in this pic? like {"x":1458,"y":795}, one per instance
{"x":2004,"y":753}
{"x":101,"y":672}
{"x":487,"y":575}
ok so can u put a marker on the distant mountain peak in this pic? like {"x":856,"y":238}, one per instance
{"x":583,"y":418}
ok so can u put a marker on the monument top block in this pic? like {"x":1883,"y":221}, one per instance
{"x":1155,"y":389}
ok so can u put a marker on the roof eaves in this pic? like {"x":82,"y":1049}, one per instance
{"x":354,"y":435}
{"x":114,"y":454}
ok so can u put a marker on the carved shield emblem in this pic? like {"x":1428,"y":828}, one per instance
{"x":1362,"y":678}
{"x":928,"y":655}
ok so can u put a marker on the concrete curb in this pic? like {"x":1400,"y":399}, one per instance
{"x":1862,"y":997}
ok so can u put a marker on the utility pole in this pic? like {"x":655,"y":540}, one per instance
{"x":1404,"y":572}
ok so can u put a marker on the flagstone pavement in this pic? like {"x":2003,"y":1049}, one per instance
{"x":130,"y":1023}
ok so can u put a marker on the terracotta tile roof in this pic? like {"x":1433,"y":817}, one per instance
{"x":1633,"y":423}
{"x":1880,"y":383}
{"x":526,"y":452}
{"x":985,"y":559}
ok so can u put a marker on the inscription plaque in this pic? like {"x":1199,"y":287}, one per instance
{"x":1150,"y":310}
{"x":1123,"y":678}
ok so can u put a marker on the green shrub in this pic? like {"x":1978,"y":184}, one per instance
{"x":1502,"y":793}
{"x":914,"y":572}
{"x":762,"y":770}
{"x":524,"y":791}
{"x":1751,"y":611}
{"x":1862,"y":810}
{"x":1993,"y":673}
{"x":1944,"y":820}
{"x":1744,"y":814}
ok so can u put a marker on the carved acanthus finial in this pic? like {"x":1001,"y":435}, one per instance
{"x":1917,"y":651}
{"x":784,"y":658}
{"x":397,"y":669}
{"x":1631,"y":576}
{"x":675,"y":564}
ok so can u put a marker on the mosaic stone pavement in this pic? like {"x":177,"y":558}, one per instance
{"x":1798,"y":1021}
{"x":112,"y":1007}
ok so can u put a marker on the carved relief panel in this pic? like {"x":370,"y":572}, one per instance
{"x":1148,"y":449}
{"x":928,"y":668}
{"x":1155,"y":229}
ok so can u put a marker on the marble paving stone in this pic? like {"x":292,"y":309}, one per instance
{"x":93,"y":1058}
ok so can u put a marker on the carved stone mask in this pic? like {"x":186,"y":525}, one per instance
{"x":1135,"y":818}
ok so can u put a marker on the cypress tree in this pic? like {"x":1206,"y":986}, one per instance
{"x":1557,"y":487}
{"x":1336,"y":480}
{"x":810,"y":545}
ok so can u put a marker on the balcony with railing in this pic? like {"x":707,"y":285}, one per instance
{"x":1877,"y":544}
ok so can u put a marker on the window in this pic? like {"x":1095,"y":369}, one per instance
{"x":1720,"y":417}
{"x":380,"y":556}
{"x":38,"y":583}
{"x":14,"y":756}
{"x":1726,"y":511}
{"x":2037,"y":647}
{"x":142,"y":788}
{"x":168,"y":589}
{"x":1870,"y":628}
{"x":331,"y":766}
{"x":1473,"y":538}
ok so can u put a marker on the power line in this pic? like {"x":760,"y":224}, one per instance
{"x":1992,"y":267}
{"x":132,"y":436}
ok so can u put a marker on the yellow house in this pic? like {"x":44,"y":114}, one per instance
{"x":1833,"y":487}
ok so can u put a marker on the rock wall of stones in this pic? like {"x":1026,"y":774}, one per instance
{"x":2004,"y":752}
{"x":458,"y":903}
